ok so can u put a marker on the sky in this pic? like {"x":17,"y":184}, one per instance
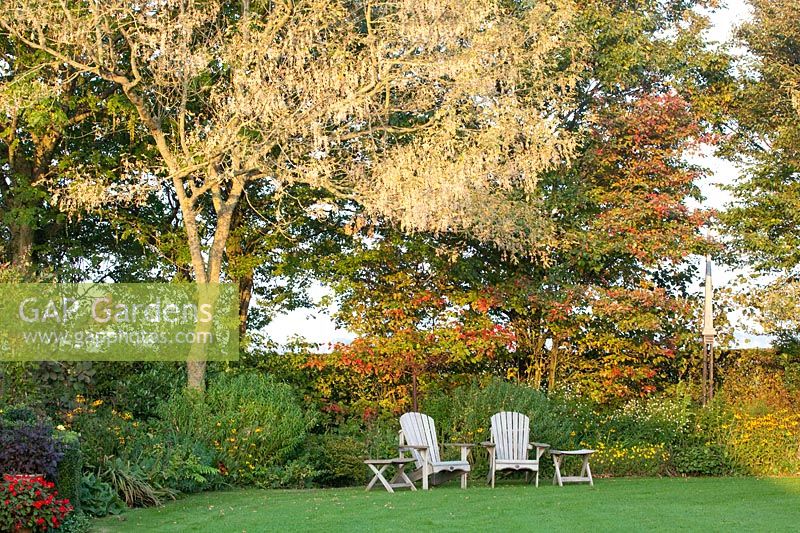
{"x":316,"y":325}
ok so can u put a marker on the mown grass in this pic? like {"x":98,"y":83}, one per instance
{"x":669,"y":504}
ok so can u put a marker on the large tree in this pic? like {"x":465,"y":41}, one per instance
{"x":609,"y":308}
{"x":610,"y":312}
{"x":763,"y":137}
{"x":429,"y":113}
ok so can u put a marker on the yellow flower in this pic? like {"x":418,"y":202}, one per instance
{"x":97,"y":403}
{"x":61,"y":427}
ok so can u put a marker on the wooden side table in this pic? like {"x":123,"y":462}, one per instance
{"x":379,"y":466}
{"x":586,"y":472}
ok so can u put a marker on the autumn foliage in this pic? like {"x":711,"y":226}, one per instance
{"x":607,"y":313}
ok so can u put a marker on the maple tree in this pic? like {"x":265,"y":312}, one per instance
{"x":416,"y":322}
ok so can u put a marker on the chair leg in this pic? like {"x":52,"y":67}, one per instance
{"x":425,"y":469}
{"x":492,"y":472}
{"x":464,"y":480}
{"x":537,"y":478}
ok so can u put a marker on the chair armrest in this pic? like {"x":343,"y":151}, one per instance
{"x":540,"y":445}
{"x":409,"y":447}
{"x":488,"y":444}
{"x":423,"y":450}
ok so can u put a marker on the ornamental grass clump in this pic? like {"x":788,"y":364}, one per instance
{"x":30,"y":502}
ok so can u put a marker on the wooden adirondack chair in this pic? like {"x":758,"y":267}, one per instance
{"x":418,"y":436}
{"x":509,"y":445}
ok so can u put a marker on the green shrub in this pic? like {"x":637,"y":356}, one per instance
{"x":99,"y":498}
{"x":341,"y":459}
{"x":138,"y":387}
{"x":667,"y":420}
{"x":176,"y":463}
{"x":463,"y":415}
{"x":250,"y":421}
{"x":702,"y":460}
{"x":340,"y":452}
{"x":70,"y":467}
{"x":75,"y":522}
{"x":298,"y":473}
{"x":104,"y":432}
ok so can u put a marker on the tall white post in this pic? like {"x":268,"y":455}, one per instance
{"x":709,"y":333}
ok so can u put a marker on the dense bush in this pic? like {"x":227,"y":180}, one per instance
{"x":463,"y":415}
{"x":664,"y":434}
{"x":104,"y":432}
{"x":27,"y":446}
{"x":149,"y":455}
{"x":702,"y":460}
{"x":249,"y":429}
{"x":252,"y":423}
{"x":75,"y":522}
{"x":138,"y":387}
{"x":175,"y":462}
{"x":340,"y":452}
{"x":70,"y":468}
{"x":618,"y":459}
{"x":768,"y":443}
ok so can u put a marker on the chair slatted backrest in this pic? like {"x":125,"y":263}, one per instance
{"x":419,"y":430}
{"x":511,"y":434}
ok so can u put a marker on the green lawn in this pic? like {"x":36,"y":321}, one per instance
{"x":707,"y":504}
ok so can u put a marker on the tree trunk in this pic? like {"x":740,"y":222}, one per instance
{"x":211,"y":275}
{"x":196,"y":375}
{"x":245,"y":295}
{"x":22,"y":246}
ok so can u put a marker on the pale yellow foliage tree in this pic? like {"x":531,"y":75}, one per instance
{"x":437,"y":114}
